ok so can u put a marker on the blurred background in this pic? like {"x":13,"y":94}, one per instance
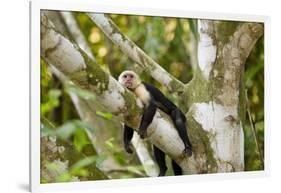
{"x":75,"y":149}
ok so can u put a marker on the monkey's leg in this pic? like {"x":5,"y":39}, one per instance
{"x":176,"y":168}
{"x":147,"y":118}
{"x":160,"y":159}
{"x":179,"y":122}
{"x":127,"y":137}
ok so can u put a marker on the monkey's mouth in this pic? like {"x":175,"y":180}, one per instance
{"x":128,"y":84}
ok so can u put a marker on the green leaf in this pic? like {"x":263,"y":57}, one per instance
{"x":80,"y":139}
{"x":66,"y":177}
{"x":192,"y":24}
{"x":107,"y":116}
{"x":119,"y":157}
{"x":52,"y":166}
{"x":66,"y":130}
{"x":109,"y":143}
{"x":80,"y":172}
{"x":81,"y":92}
{"x":84,"y":162}
{"x":136,"y":168}
{"x":74,"y":128}
{"x":52,"y":102}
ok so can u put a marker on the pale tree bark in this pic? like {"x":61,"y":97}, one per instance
{"x":213,"y":96}
{"x":87,"y":109}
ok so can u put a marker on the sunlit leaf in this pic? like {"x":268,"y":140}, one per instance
{"x":80,"y":172}
{"x":80,"y":139}
{"x":64,"y":178}
{"x":119,"y":157}
{"x":53,"y":101}
{"x":104,"y":115}
{"x":109,"y":143}
{"x":136,"y":168}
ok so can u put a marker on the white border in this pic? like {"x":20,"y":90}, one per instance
{"x":87,"y":6}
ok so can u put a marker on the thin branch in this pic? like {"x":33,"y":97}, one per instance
{"x":254,"y":130}
{"x":150,"y":167}
{"x":76,"y":33}
{"x":246,"y":37}
{"x":136,"y":54}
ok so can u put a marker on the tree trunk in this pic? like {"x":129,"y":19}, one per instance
{"x":215,"y":96}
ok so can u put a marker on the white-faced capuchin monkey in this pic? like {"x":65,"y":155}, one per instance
{"x":152,"y":98}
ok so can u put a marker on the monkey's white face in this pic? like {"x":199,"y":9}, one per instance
{"x":129,"y":79}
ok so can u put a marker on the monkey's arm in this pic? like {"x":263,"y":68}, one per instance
{"x":147,"y":117}
{"x":179,"y":121}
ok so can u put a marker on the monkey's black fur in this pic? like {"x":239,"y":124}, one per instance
{"x":158,"y":100}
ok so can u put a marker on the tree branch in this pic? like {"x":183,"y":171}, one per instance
{"x":135,"y":53}
{"x":234,"y":55}
{"x":75,"y":64}
{"x":75,"y":32}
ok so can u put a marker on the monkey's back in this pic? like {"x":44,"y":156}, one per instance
{"x":159,"y":98}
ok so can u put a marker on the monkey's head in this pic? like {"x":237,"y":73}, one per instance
{"x":129,"y":79}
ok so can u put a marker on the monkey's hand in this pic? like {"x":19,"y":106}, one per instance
{"x":187,"y":151}
{"x":142,"y":133}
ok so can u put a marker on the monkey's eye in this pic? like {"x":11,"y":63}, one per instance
{"x":125,"y":76}
{"x":131,"y":76}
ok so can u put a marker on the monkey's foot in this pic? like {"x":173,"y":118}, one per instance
{"x":187,"y":151}
{"x":162,"y":172}
{"x":128,"y":149}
